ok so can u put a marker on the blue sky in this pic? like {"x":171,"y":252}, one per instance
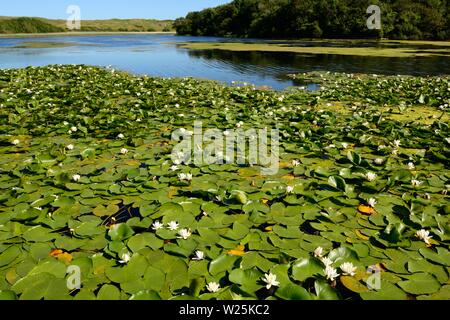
{"x":106,"y":9}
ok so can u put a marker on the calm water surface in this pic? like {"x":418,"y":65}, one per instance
{"x":159,"y":55}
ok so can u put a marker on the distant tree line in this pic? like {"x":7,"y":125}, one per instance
{"x":401,"y":19}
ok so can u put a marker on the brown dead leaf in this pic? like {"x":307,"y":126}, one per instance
{"x":56,"y":252}
{"x":61,"y":255}
{"x":366,"y":210}
{"x":238,"y":251}
{"x":65,"y":257}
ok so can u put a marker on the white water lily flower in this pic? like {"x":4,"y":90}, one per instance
{"x":16,"y":142}
{"x":381,"y":147}
{"x":184,"y":234}
{"x":370,"y":176}
{"x":65,"y":123}
{"x":124,"y":151}
{"x":199,"y":255}
{"x":70,"y":147}
{"x":213,"y":287}
{"x":327,"y":261}
{"x":411,"y":166}
{"x":76,"y":177}
{"x":416,"y":183}
{"x":372,"y":202}
{"x":74,"y":129}
{"x":331,"y":273}
{"x":289,"y":189}
{"x":173,"y":225}
{"x":121,"y":136}
{"x":344,"y":145}
{"x":174,"y":168}
{"x":125,"y":258}
{"x":397,"y":143}
{"x":157,"y":225}
{"x":271,"y":280}
{"x":318,"y":253}
{"x":424,"y":235}
{"x":379,"y":161}
{"x":295,"y":163}
{"x":185,"y":176}
{"x":348,"y":269}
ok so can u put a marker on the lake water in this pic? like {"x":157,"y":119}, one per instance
{"x":159,"y":55}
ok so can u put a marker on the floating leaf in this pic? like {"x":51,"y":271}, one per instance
{"x":239,"y":251}
{"x":108,"y":292}
{"x":366,"y":210}
{"x":420,"y":283}
{"x":293,"y":292}
{"x":306,"y":268}
{"x":324,"y":291}
{"x":119,"y":232}
{"x":222,"y":263}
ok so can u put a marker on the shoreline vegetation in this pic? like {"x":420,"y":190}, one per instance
{"x":403,"y":20}
{"x":381,"y":48}
{"x":81,"y":33}
{"x":31,"y":25}
{"x":88,"y":179}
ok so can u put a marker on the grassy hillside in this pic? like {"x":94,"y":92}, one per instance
{"x":125,"y":25}
{"x":41,"y":25}
{"x":27,"y":25}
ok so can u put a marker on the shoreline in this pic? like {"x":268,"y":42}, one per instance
{"x":83,"y":33}
{"x":348,"y":47}
{"x":444,"y":43}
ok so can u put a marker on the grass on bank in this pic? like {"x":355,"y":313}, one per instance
{"x":13,"y":25}
{"x":47,"y":44}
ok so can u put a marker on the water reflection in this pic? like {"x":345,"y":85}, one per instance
{"x":278,"y":64}
{"x":159,"y":55}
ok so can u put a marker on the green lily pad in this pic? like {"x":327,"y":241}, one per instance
{"x":306,"y":268}
{"x":420,"y":283}
{"x":119,"y":232}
